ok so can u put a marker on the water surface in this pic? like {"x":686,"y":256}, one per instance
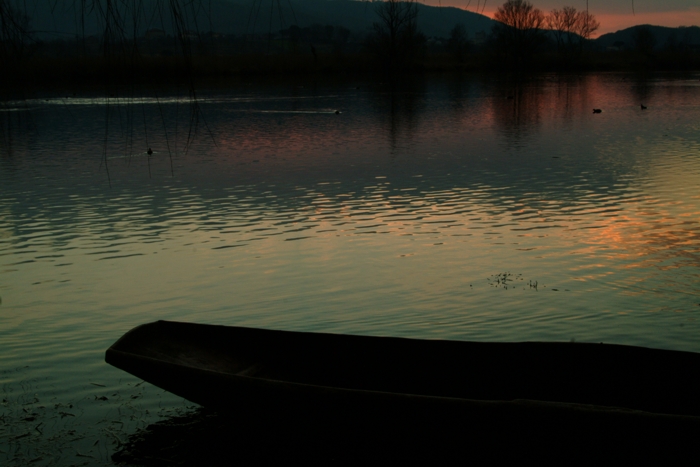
{"x":472,"y":208}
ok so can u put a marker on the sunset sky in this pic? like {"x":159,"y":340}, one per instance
{"x":612,"y":14}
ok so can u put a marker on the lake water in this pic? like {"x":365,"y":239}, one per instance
{"x":468,"y":208}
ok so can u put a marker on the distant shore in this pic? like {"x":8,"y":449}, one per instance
{"x":173,"y":70}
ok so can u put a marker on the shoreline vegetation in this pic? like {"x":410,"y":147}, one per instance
{"x":147,"y":67}
{"x":523,"y":39}
{"x":170,"y":70}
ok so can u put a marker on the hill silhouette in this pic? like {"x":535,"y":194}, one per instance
{"x":664,"y":36}
{"x":240,"y":17}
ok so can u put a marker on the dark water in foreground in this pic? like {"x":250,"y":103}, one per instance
{"x":472,"y":208}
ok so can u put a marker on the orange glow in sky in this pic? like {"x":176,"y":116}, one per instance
{"x":616,"y":22}
{"x":610,"y":21}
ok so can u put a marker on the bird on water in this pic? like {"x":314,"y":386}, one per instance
{"x":644,"y":107}
{"x":149,"y":152}
{"x":597,"y":111}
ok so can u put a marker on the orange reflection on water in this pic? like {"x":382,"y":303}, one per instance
{"x":650,"y":239}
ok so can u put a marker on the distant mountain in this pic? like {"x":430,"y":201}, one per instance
{"x":664,"y":36}
{"x":357,"y":16}
{"x":438,"y":21}
{"x":64,"y":18}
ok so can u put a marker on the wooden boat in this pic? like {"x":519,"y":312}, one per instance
{"x":429,"y":391}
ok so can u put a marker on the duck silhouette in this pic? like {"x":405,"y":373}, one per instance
{"x":644,"y":107}
{"x":597,"y":111}
{"x":149,"y":152}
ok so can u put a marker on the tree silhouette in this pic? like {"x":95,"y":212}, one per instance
{"x":571,"y":29}
{"x":519,"y":31}
{"x":395,"y":38}
{"x":458,"y":42}
{"x":15,"y":33}
{"x":644,"y":40}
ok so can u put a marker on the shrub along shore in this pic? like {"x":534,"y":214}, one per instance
{"x":521,"y":39}
{"x":174,"y":69}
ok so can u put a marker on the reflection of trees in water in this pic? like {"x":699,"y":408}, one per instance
{"x":120,"y":62}
{"x":406,"y":114}
{"x":641,"y":90}
{"x":571,"y":98}
{"x":516,"y":107}
{"x":465,"y":107}
{"x":399,"y":106}
{"x":458,"y":88}
{"x":659,"y":89}
{"x":14,"y":125}
{"x":520,"y":106}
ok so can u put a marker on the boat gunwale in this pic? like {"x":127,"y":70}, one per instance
{"x":114,"y":354}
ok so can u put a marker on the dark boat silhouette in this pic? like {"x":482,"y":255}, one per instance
{"x":398,"y":389}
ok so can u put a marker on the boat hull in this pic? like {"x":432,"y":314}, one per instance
{"x":257,"y":390}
